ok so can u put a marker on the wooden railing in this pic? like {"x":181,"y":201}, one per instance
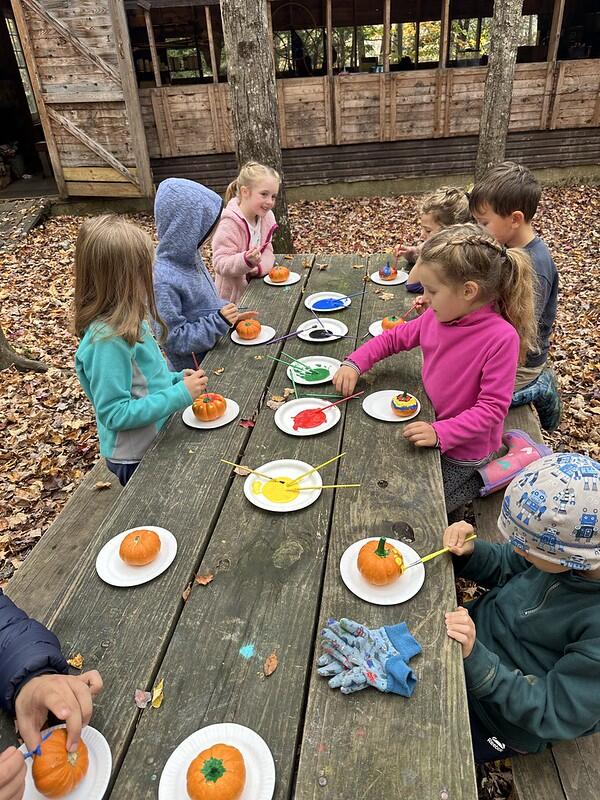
{"x":344,"y":109}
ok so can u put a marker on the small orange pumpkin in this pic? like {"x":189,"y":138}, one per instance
{"x":248,"y":328}
{"x":57,"y":772}
{"x":218,"y":773}
{"x":387,"y":323}
{"x":279,"y":274}
{"x":209,"y":406}
{"x":379,"y":563}
{"x":140,"y":547}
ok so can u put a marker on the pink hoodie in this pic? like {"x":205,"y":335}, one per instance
{"x":229,"y":245}
{"x":469,"y":368}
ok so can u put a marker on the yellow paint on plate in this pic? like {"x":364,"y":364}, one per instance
{"x":275,"y":491}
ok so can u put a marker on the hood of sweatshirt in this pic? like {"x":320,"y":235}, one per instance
{"x":185,"y":213}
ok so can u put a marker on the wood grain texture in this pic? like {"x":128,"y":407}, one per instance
{"x":349,"y":743}
{"x":536,"y":776}
{"x":266,"y":594}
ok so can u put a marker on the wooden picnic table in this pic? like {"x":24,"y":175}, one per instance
{"x":276,"y":581}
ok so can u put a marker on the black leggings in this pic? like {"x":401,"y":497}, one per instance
{"x":486,"y":745}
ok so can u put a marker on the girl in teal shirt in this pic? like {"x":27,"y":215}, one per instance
{"x":118,"y":361}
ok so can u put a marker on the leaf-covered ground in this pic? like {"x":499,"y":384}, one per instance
{"x":48,"y":438}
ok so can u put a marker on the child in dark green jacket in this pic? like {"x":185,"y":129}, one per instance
{"x":531,"y":644}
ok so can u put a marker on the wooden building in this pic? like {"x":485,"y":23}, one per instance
{"x":130,"y":92}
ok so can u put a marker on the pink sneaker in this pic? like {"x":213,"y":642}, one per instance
{"x":522,"y":450}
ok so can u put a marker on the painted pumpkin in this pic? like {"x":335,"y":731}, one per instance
{"x":140,"y":547}
{"x":388,"y":273}
{"x":387,"y":323}
{"x":279,"y":274}
{"x":404,"y":404}
{"x":56,"y":772}
{"x":209,"y":406}
{"x":379,"y":563}
{"x":248,"y":328}
{"x":218,"y":773}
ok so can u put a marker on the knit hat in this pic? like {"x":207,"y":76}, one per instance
{"x":551,"y":509}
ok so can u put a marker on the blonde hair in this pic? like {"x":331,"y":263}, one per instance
{"x":113,"y":277}
{"x":250,"y":174}
{"x":468,"y":253}
{"x":447,"y":205}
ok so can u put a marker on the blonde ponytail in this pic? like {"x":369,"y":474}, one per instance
{"x":250,"y":174}
{"x":232,"y":191}
{"x":516,"y":300}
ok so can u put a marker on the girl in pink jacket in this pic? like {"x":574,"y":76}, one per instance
{"x":241,"y":245}
{"x":480,"y":321}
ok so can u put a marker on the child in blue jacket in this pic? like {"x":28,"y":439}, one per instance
{"x":196,"y":317}
{"x":34,"y":682}
{"x":118,"y":361}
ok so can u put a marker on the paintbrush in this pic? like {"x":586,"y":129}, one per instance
{"x":435,"y":554}
{"x":316,"y":316}
{"x":326,"y":486}
{"x":253,"y":471}
{"x":37,"y":751}
{"x":316,"y":469}
{"x":343,"y":400}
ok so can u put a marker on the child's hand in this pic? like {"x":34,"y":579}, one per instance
{"x":421,"y":305}
{"x":196,"y":383}
{"x":461,"y":627}
{"x":68,"y":697}
{"x":247,"y":315}
{"x":404,"y":251}
{"x":230,"y":313}
{"x":12,"y":774}
{"x":252,"y":256}
{"x":455,"y":536}
{"x":421,"y":434}
{"x":345,"y":379}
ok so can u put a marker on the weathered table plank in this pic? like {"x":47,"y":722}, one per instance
{"x":372,"y":744}
{"x":267,"y":597}
{"x":180,"y":485}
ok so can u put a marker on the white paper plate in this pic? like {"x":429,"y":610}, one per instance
{"x":399,"y":591}
{"x":314,"y":298}
{"x":331,"y":364}
{"x":94,"y":784}
{"x":265,"y":335}
{"x":292,"y":278}
{"x":230,"y":414}
{"x":401,"y":277}
{"x":112,"y":569}
{"x":260,"y":766}
{"x":379,"y":406}
{"x":288,"y":468}
{"x":375,"y":328}
{"x":336,"y":327}
{"x":284,"y":416}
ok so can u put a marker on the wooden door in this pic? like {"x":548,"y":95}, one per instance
{"x":79,"y":60}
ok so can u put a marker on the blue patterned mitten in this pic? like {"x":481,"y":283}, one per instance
{"x":356,"y":657}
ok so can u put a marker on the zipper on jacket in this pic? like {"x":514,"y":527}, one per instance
{"x":548,"y":591}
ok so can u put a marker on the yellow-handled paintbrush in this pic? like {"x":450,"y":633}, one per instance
{"x":315,"y":469}
{"x":326,"y":486}
{"x":437,"y":553}
{"x":253,"y":471}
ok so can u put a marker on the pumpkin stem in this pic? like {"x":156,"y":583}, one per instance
{"x":213,"y":769}
{"x":381,"y":551}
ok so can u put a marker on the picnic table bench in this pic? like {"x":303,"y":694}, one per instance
{"x":276,"y":581}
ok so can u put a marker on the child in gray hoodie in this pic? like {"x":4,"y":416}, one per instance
{"x":186,"y":214}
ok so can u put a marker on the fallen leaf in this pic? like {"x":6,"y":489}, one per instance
{"x":358,"y":266}
{"x":270,"y":664}
{"x":322,"y":266}
{"x":219,"y":371}
{"x":258,"y":358}
{"x":386,"y":296}
{"x":76,"y":662}
{"x":289,"y":258}
{"x":247,"y":423}
{"x":158,"y":694}
{"x":288,"y":391}
{"x":100,"y":485}
{"x":141,"y":698}
{"x":242,"y":470}
{"x":275,"y":404}
{"x":186,"y":592}
{"x":204,"y":580}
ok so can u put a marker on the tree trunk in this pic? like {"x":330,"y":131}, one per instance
{"x":8,"y":357}
{"x":251,"y":74}
{"x":497,"y":97}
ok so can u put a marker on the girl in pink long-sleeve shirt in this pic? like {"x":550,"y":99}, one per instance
{"x":241,"y":245}
{"x":480,"y":321}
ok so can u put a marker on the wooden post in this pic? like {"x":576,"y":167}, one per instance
{"x":386,"y":35}
{"x":36,"y":85}
{"x":139,"y":144}
{"x":417,"y":36}
{"x":444,"y":34}
{"x":211,"y":45}
{"x":329,"y":26}
{"x":555,"y":29}
{"x":152,"y":43}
